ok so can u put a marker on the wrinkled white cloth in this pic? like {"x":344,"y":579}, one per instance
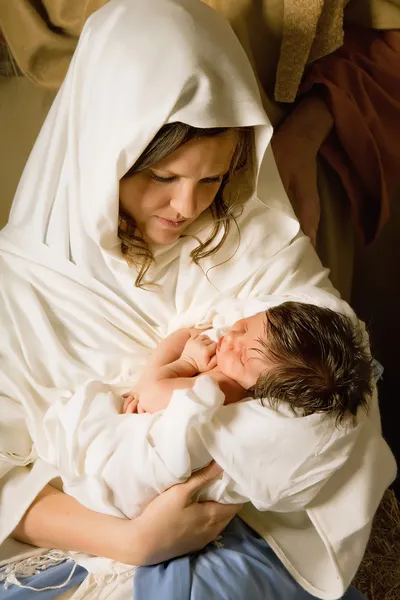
{"x":74,"y":329}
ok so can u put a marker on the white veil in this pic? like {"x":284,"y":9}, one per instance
{"x":131,"y":74}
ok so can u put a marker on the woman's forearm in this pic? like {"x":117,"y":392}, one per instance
{"x":56,"y":520}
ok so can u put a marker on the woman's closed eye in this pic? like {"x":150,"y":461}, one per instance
{"x":161,"y":179}
{"x":171,"y":178}
{"x":212,"y":179}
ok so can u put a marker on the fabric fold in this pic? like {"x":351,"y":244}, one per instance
{"x":360,"y":83}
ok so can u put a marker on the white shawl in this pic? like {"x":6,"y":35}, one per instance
{"x":73,"y":324}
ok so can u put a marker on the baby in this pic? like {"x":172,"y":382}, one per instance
{"x":310,"y":358}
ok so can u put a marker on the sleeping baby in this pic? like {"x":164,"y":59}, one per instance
{"x":198,"y":400}
{"x":308,"y":357}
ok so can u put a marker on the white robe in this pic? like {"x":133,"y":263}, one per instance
{"x":73,"y":325}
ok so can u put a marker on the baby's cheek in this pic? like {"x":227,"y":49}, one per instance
{"x":237,"y":372}
{"x":225,"y":365}
{"x":248,"y":376}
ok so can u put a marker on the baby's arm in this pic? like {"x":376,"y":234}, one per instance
{"x":197,"y":357}
{"x":168,"y":350}
{"x":173,"y":364}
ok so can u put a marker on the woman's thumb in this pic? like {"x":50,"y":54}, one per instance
{"x":201,"y":478}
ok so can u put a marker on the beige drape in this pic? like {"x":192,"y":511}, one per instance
{"x":281,"y":36}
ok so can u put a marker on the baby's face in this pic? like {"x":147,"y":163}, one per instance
{"x":238,"y":352}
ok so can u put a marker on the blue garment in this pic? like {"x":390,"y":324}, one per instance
{"x":53,"y":576}
{"x":242,"y":566}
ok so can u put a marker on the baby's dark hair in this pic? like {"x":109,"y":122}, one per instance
{"x":320,"y":362}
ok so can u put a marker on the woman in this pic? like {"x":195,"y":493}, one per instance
{"x":96,"y":249}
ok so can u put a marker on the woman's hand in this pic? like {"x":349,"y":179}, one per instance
{"x":295,"y":145}
{"x":174,"y":524}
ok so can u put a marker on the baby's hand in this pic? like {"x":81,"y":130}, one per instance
{"x":131,"y":404}
{"x":200,"y":351}
{"x":148,"y":401}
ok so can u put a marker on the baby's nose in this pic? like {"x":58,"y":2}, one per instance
{"x":233,"y":340}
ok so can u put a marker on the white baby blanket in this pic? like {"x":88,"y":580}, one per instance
{"x":276,"y":461}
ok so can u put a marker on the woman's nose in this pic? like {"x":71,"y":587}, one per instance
{"x":184,"y":202}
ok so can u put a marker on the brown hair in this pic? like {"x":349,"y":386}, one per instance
{"x":171,"y":137}
{"x":320,"y":362}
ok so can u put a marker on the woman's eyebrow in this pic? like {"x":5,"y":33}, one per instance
{"x":220,"y":174}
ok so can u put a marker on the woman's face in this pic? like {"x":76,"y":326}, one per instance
{"x":166,"y":198}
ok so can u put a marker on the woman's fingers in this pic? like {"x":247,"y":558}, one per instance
{"x":216,"y":516}
{"x":200,"y":479}
{"x":221,"y":514}
{"x":174,"y":524}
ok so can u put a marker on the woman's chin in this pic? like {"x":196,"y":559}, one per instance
{"x":163,"y":238}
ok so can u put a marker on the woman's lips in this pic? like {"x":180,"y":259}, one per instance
{"x":170,"y":224}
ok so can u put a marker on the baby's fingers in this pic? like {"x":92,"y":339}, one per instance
{"x":129,"y":398}
{"x":205,"y":339}
{"x":213,"y":363}
{"x":194,"y":335}
{"x":131,"y":407}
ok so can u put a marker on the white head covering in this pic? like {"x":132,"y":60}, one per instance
{"x":131,"y":74}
